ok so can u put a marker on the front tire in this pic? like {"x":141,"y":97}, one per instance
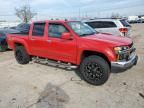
{"x":21,"y":55}
{"x":95,"y":70}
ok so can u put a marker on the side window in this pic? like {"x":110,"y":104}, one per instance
{"x":56,"y":30}
{"x":108,"y":24}
{"x":95,"y":24}
{"x":101,"y":24}
{"x":38,"y":29}
{"x":92,"y":24}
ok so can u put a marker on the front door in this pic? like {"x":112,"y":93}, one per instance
{"x":61,"y":49}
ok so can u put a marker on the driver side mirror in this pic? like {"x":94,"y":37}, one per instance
{"x":66,"y":36}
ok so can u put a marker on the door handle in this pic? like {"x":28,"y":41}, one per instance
{"x":33,"y":39}
{"x":49,"y":41}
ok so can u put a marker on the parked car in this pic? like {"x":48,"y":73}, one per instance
{"x":14,"y":27}
{"x":23,"y":27}
{"x":74,"y":44}
{"x":119,"y":27}
{"x":133,"y":19}
{"x":3,"y":43}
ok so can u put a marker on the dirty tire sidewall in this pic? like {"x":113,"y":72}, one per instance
{"x":101,"y":63}
{"x":21,"y":55}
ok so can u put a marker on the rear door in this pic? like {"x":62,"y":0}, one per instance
{"x":109,"y":27}
{"x":37,"y":42}
{"x":60,"y":49}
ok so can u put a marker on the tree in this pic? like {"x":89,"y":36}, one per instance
{"x":25,"y":13}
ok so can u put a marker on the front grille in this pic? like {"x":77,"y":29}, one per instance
{"x":124,"y":56}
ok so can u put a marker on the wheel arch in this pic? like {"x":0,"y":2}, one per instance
{"x":16,"y":44}
{"x":87,"y":53}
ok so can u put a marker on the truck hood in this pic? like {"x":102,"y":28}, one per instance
{"x":111,"y":39}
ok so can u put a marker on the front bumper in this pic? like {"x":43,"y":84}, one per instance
{"x":125,"y":64}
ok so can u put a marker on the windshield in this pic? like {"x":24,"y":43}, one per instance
{"x":81,"y":28}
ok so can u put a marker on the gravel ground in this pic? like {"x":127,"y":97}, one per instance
{"x":40,"y":86}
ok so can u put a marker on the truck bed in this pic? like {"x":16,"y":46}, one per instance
{"x":20,"y":34}
{"x":11,"y":38}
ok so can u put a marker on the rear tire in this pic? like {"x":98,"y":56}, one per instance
{"x":95,"y":70}
{"x":21,"y":55}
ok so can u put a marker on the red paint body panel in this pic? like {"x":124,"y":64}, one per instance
{"x":67,"y":50}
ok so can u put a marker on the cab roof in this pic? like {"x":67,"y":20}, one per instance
{"x":62,"y":21}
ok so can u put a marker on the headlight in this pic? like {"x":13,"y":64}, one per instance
{"x":122,"y":52}
{"x":120,"y":49}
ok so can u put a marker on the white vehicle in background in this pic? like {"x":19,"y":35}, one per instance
{"x":133,"y":19}
{"x":118,"y":27}
{"x":142,"y":19}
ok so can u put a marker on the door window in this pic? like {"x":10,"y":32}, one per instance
{"x":56,"y":30}
{"x":38,"y":29}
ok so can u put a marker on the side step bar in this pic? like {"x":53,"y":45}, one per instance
{"x":54,"y":63}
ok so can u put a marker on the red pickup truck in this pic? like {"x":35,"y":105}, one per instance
{"x":74,"y":44}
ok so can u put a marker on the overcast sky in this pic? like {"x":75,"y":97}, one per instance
{"x":66,"y":8}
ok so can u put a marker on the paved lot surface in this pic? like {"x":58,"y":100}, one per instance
{"x":40,"y":86}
